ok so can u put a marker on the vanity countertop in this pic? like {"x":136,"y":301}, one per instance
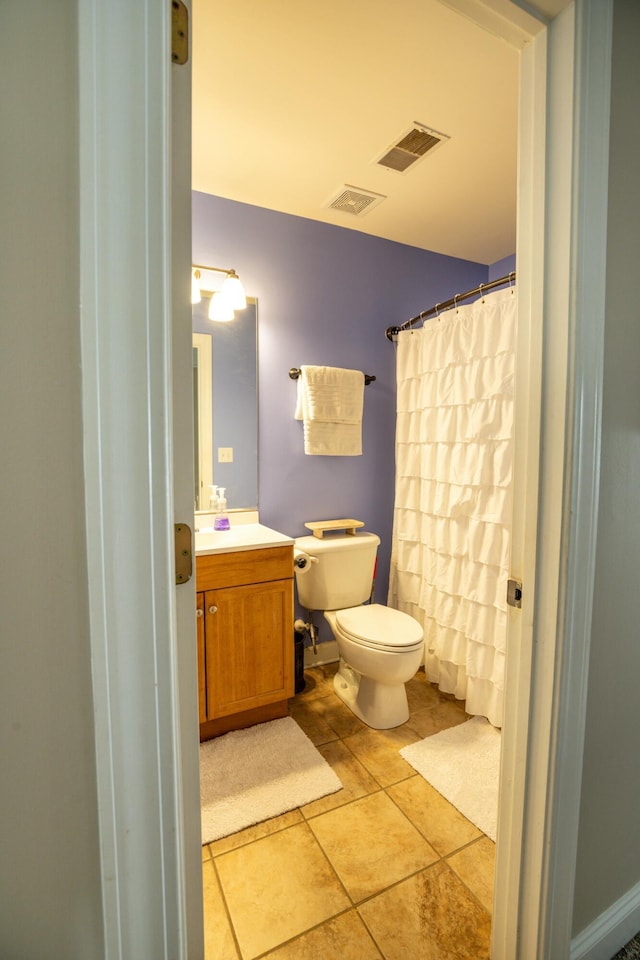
{"x":242,"y":536}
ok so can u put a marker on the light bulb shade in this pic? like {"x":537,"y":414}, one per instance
{"x":196,"y":296}
{"x":234,"y":291}
{"x":220,"y":309}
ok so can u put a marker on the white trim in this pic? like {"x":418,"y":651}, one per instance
{"x":530,"y":264}
{"x":586,"y":352}
{"x":547,"y":641}
{"x":534,"y":884}
{"x":610,"y":931}
{"x":203,"y":343}
{"x":502,"y":18}
{"x":327,"y":652}
{"x":125,"y":272}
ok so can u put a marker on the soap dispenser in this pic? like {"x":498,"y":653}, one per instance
{"x":213,"y":498}
{"x":221,"y":521}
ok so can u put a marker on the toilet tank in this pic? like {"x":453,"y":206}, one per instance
{"x":343,"y":574}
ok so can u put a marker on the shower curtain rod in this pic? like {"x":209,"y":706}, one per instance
{"x":391,"y":332}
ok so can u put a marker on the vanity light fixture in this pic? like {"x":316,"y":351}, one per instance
{"x":220,"y":309}
{"x":196,"y":295}
{"x":233,"y":291}
{"x":224,"y":302}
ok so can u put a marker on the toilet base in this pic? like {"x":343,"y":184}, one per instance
{"x":379,"y":705}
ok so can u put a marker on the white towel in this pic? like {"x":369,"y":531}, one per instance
{"x":330,"y":402}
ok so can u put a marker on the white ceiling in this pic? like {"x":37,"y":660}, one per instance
{"x":293,"y":100}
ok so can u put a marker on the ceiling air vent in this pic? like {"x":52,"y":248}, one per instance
{"x":355,"y":201}
{"x":410,"y":148}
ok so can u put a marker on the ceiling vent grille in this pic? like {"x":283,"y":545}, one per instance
{"x":411,"y":147}
{"x":355,"y":201}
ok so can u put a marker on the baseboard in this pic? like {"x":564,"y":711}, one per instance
{"x":327,"y":652}
{"x":610,"y":931}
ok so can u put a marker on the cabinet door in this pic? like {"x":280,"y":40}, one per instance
{"x":249,"y":646}
{"x":202,"y":676}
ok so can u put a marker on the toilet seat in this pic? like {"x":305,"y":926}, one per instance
{"x":380,"y":628}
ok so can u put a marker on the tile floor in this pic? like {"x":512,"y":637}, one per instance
{"x":385,"y":868}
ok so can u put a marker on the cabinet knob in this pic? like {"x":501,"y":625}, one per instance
{"x":199,"y":613}
{"x":213,"y":609}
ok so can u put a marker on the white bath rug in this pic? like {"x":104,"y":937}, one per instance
{"x":463,"y":764}
{"x":251,"y":775}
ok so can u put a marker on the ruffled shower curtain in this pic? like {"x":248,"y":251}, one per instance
{"x":452,"y":514}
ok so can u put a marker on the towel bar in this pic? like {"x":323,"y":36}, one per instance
{"x":294,"y":373}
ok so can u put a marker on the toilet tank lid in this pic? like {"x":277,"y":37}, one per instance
{"x":385,"y":625}
{"x":314,"y":546}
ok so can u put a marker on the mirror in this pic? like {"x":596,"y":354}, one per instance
{"x":225,"y":401}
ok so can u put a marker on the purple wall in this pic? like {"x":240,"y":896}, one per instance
{"x":502,"y":267}
{"x":326,"y":295}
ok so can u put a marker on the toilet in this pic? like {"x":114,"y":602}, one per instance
{"x":380,"y":648}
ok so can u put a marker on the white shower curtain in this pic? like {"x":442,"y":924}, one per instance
{"x":452,"y":514}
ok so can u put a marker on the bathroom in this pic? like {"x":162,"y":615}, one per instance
{"x":325,"y":295}
{"x":74,"y":785}
{"x":342,"y":323}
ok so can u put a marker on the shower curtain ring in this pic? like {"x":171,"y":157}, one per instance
{"x":480,"y":286}
{"x":455,"y":301}
{"x":437,"y":309}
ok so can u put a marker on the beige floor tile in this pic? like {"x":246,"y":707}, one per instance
{"x":475,"y":865}
{"x":429,"y":720}
{"x":311,"y":720}
{"x":356,"y":780}
{"x":344,"y":938}
{"x":378,"y":751}
{"x":438,"y":820}
{"x":431,"y":916}
{"x":421,"y":693}
{"x":277,"y":888}
{"x":218,"y":938}
{"x":339,"y":717}
{"x":264,"y":829}
{"x":371,"y":844}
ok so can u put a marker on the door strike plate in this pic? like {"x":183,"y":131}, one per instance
{"x":514,"y":593}
{"x":183,"y":553}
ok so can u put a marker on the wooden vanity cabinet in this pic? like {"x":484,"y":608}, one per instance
{"x":245,"y":637}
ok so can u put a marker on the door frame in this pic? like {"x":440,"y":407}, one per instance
{"x":562,"y":216}
{"x":135,"y":226}
{"x":146,"y":761}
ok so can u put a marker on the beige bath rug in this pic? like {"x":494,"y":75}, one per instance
{"x":251,"y":775}
{"x":463,"y":764}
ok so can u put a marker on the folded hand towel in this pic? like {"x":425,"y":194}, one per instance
{"x":332,"y":439}
{"x":330,"y":402}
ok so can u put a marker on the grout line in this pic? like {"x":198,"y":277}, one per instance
{"x":226,"y":908}
{"x":317,"y":926}
{"x":307,"y":820}
{"x":462,"y":881}
{"x":331,"y":865}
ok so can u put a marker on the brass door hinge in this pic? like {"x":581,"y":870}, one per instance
{"x":183,"y":553}
{"x":179,"y":32}
{"x":514,"y":593}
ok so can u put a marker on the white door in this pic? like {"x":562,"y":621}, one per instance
{"x":183,"y":487}
{"x":135,"y":129}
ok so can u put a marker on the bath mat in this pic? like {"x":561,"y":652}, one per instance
{"x":463,"y":764}
{"x":251,"y":775}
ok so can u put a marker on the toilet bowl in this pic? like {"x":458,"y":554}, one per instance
{"x":380,"y":650}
